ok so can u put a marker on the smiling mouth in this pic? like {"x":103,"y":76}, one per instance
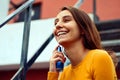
{"x":61,"y":33}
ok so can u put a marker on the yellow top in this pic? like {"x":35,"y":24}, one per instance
{"x":97,"y":65}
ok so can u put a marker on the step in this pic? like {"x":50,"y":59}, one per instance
{"x":110,"y":34}
{"x":108,"y":25}
{"x":112,"y":45}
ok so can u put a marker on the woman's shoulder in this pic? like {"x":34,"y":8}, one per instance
{"x":100,"y":55}
{"x":98,"y":52}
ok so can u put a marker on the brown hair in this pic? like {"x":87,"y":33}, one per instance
{"x":91,"y":37}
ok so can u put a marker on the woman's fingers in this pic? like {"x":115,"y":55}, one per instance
{"x":58,"y":56}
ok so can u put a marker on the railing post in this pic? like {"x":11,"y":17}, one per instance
{"x":25,"y":43}
{"x":94,"y":11}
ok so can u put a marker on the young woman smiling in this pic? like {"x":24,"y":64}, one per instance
{"x":75,"y":31}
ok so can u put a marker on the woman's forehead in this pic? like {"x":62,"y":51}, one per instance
{"x":63,"y":13}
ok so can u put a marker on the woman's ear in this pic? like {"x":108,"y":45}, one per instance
{"x":82,"y":33}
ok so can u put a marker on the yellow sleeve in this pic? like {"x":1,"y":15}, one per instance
{"x":52,"y":76}
{"x":103,"y":67}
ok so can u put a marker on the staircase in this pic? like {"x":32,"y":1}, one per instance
{"x":110,"y":34}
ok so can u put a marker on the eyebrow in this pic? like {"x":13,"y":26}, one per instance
{"x":63,"y":17}
{"x":67,"y":16}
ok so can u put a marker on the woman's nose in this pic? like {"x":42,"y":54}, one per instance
{"x":59,"y":25}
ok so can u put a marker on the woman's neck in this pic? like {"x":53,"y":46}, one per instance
{"x":75,"y":52}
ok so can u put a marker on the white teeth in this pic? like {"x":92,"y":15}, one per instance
{"x":61,"y":33}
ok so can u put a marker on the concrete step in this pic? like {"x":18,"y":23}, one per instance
{"x":108,"y":25}
{"x":112,"y":45}
{"x":110,"y":34}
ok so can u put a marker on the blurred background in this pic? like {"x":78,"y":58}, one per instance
{"x":105,"y":14}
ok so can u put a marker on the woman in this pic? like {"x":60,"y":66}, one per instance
{"x":75,"y":31}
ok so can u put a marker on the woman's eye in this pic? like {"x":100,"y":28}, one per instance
{"x":66,"y":20}
{"x":55,"y":22}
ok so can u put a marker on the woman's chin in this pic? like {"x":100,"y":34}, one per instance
{"x":61,"y":42}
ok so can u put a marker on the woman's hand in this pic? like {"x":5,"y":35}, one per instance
{"x":56,"y":56}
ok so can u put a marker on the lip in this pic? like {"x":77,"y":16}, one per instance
{"x":61,"y":32}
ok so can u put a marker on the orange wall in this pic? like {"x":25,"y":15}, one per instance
{"x":51,"y":7}
{"x":106,"y":9}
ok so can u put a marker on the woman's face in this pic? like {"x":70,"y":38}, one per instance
{"x":66,"y":29}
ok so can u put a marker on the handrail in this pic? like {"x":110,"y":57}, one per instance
{"x":17,"y":11}
{"x":33,"y":58}
{"x":25,"y":42}
{"x":21,"y":74}
{"x":39,"y":51}
{"x":78,"y":3}
{"x":24,"y":66}
{"x":27,"y":6}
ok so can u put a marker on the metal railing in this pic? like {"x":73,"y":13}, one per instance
{"x":24,"y":65}
{"x":27,"y":7}
{"x":33,"y":58}
{"x":17,"y":11}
